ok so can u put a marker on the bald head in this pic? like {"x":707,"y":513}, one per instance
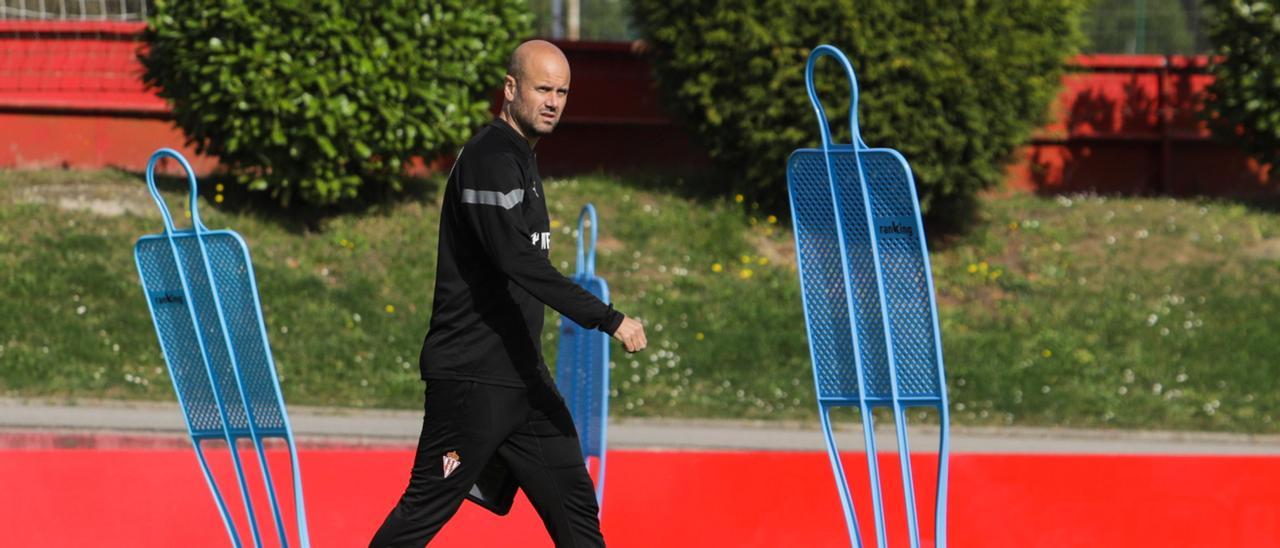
{"x":536,"y":89}
{"x":535,"y":53}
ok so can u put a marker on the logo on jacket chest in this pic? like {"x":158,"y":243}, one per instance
{"x":541,"y":240}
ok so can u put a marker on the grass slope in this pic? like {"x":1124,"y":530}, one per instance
{"x":1074,"y":311}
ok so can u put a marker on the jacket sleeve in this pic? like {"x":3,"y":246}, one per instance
{"x":490,"y":196}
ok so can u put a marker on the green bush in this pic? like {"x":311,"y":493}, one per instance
{"x":324,"y":99}
{"x":1244,"y":100}
{"x":955,"y":86}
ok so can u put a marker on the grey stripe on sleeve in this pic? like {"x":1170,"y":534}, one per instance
{"x":491,"y":197}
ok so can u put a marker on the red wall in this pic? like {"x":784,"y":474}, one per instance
{"x":70,"y":96}
{"x":144,"y":498}
{"x":1132,"y":123}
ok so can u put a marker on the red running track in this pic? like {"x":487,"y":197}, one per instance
{"x":157,"y":497}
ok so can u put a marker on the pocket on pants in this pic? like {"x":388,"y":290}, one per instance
{"x":447,"y":440}
{"x":447,"y":400}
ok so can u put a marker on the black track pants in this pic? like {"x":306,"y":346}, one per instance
{"x":467,"y":423}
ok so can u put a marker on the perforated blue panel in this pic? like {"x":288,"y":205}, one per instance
{"x":821,"y":276}
{"x":905,"y":269}
{"x":863,"y":261}
{"x":582,"y":373}
{"x":177,"y":334}
{"x":229,"y":260}
{"x":200,"y":288}
{"x":862,"y":276}
{"x":821,"y":279}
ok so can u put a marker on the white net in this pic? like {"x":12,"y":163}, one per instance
{"x":75,"y":10}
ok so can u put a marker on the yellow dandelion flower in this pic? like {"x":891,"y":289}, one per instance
{"x":1013,"y":226}
{"x":716,"y":267}
{"x":745,"y":273}
{"x":555,"y":223}
{"x":773,"y":219}
{"x":996,"y":274}
{"x":218,"y":198}
{"x":218,"y":187}
{"x":973,"y":268}
{"x":983,"y":266}
{"x":746,"y":259}
{"x":1047,"y":353}
{"x":738,"y":198}
{"x":762,"y":261}
{"x":391,"y":309}
{"x":699,"y":336}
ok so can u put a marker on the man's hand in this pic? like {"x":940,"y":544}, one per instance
{"x":631,"y":333}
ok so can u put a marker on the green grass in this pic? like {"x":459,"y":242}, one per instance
{"x":1072,"y":311}
{"x":1091,"y":311}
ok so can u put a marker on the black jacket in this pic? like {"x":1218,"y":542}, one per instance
{"x":493,"y":274}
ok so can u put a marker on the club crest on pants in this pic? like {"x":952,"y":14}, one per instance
{"x":451,"y":462}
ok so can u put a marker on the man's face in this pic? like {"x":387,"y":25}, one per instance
{"x":538,"y":96}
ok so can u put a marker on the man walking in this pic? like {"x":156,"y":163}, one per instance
{"x":490,"y":400}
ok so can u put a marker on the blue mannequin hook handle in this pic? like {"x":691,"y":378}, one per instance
{"x":827,"y":50}
{"x":587,"y":261}
{"x":155,"y":193}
